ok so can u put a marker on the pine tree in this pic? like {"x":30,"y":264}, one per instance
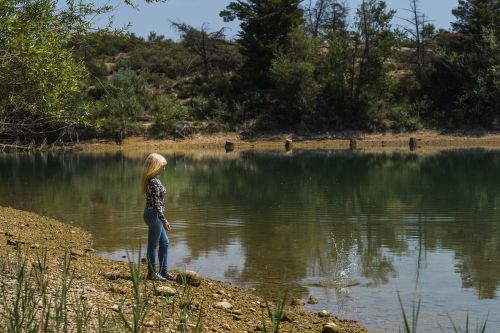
{"x":265,"y":26}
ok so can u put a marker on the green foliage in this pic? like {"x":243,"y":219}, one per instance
{"x":210,"y":50}
{"x":40,"y":81}
{"x":480,"y":327}
{"x":166,"y":114}
{"x":265,"y":26}
{"x":124,"y":101}
{"x":410,"y":326}
{"x":294,"y":85}
{"x":466,"y":77}
{"x":289,"y":68}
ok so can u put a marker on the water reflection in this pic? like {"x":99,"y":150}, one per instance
{"x":295,"y":220}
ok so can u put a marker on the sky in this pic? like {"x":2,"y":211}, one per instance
{"x":156,"y":17}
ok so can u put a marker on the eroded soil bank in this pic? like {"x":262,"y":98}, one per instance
{"x":426,"y":140}
{"x":106,"y":285}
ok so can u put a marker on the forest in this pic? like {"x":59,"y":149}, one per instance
{"x":299,"y":66}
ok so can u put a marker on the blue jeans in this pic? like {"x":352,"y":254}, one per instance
{"x":157,"y":238}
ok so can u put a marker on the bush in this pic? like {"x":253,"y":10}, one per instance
{"x":166,"y":115}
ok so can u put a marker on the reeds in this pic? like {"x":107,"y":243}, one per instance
{"x":34,"y":301}
{"x":410,"y":326}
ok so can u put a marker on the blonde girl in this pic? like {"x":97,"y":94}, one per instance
{"x":154,"y":217}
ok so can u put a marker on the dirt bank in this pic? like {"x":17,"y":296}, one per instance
{"x":106,"y":285}
{"x":426,"y":140}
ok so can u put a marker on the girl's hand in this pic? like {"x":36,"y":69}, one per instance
{"x":167,"y":226}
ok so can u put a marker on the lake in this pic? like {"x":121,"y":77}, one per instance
{"x":350,"y":228}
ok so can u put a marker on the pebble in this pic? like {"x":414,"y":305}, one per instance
{"x":11,"y":242}
{"x":222,"y":305}
{"x":324,"y":313}
{"x":148,"y":324}
{"x":312,"y":300}
{"x":226,"y":327}
{"x":115,"y":307}
{"x":190,"y":277}
{"x":297,"y":302}
{"x":331,"y":328}
{"x":165,"y":291}
{"x":287,"y":316}
{"x":118,"y":289}
{"x":76,"y":252}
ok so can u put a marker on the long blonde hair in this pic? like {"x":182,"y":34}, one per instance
{"x":152,"y":168}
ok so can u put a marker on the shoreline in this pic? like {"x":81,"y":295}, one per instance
{"x":426,"y":140}
{"x":106,"y":284}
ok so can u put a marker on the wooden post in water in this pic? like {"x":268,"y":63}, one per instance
{"x":288,"y":144}
{"x":229,"y":146}
{"x":353,"y":144}
{"x":413,"y":144}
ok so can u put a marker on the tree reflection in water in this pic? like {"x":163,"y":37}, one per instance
{"x":284,"y":210}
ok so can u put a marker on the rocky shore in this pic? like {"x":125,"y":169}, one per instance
{"x":190,"y":304}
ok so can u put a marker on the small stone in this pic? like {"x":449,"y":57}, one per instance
{"x":118,"y":289}
{"x":312,"y":300}
{"x":252,"y":310}
{"x":35,"y":246}
{"x":148,"y":324}
{"x":237,"y":318}
{"x":286,"y":316}
{"x":75,"y":252}
{"x":297,"y":302}
{"x":190,"y":277}
{"x":324,"y":313}
{"x":11,"y":242}
{"x":226,"y":327}
{"x":165,"y":291}
{"x":222,"y":305}
{"x":237,"y":312}
{"x":331,"y":328}
{"x":115,"y":307}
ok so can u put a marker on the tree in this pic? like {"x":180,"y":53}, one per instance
{"x":325,"y":17}
{"x":211,"y":49}
{"x":419,"y":30}
{"x":265,"y":26}
{"x":40,"y":81}
{"x":466,"y":77}
{"x":295,"y":88}
{"x":375,"y":40}
{"x":473,"y":16}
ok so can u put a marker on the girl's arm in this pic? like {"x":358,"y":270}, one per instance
{"x":157,"y":189}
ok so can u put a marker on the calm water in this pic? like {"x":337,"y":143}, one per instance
{"x":299,"y":221}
